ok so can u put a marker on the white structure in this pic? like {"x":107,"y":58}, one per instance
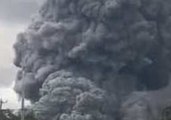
{"x":1,"y":103}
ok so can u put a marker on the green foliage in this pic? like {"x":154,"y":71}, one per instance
{"x":30,"y":116}
{"x":166,"y":113}
{"x":9,"y":115}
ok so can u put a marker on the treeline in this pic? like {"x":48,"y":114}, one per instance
{"x":11,"y":115}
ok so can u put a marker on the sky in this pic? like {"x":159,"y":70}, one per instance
{"x":14,"y":18}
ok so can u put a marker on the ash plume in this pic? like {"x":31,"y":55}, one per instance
{"x":84,"y":59}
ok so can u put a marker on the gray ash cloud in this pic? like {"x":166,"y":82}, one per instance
{"x":80,"y":52}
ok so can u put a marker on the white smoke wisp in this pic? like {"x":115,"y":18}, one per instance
{"x":81,"y":59}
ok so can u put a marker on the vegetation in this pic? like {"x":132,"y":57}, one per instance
{"x":10,"y":115}
{"x":166,"y":113}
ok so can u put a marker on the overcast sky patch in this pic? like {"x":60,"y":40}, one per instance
{"x":17,"y":11}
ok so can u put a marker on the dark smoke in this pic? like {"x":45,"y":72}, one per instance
{"x":84,"y":59}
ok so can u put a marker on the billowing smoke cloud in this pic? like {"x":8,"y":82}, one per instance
{"x":82,"y":59}
{"x":69,"y":97}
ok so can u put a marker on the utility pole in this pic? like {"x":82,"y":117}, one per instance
{"x":23,"y":99}
{"x":23,"y":90}
{"x":23,"y":106}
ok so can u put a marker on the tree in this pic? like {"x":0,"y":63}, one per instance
{"x":10,"y":115}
